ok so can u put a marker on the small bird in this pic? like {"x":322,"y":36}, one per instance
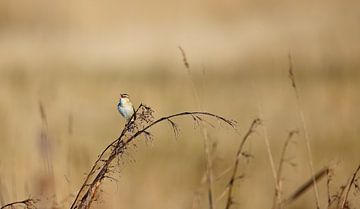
{"x":125,"y":107}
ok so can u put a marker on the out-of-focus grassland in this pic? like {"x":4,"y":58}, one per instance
{"x":167,"y":172}
{"x":76,"y":57}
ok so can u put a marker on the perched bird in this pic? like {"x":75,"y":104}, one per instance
{"x":125,"y":107}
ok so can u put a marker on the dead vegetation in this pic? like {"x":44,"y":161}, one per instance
{"x":134,"y":129}
{"x":140,"y":129}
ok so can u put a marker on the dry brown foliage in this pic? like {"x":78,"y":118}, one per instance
{"x":133,"y":129}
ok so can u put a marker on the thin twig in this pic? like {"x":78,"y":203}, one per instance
{"x":349,"y":187}
{"x":29,"y":204}
{"x":230,"y":185}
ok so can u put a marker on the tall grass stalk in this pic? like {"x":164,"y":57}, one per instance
{"x":204,"y":131}
{"x":267,"y":141}
{"x":234,"y":175}
{"x":304,"y":127}
{"x":278,"y":189}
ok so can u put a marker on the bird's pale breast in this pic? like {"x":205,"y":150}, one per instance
{"x":125,"y":109}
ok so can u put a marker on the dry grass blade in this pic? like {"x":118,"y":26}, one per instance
{"x":233,"y":177}
{"x":198,"y":193}
{"x":291,"y":72}
{"x":132,"y":130}
{"x":226,"y":171}
{"x":328,"y":181}
{"x":349,"y":187}
{"x":28,"y":204}
{"x":267,"y":144}
{"x":197,"y":119}
{"x":185,"y":61}
{"x":209,"y":167}
{"x":277,"y":196}
{"x":305,"y":129}
{"x":210,"y":149}
{"x":174,"y":127}
{"x":283,"y":151}
{"x":304,"y":187}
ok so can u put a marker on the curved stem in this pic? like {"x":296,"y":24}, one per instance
{"x":119,"y":150}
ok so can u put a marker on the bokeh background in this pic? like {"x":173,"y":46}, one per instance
{"x":64,"y":63}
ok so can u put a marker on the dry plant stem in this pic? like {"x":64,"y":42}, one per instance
{"x":278,"y":189}
{"x":349,"y":187}
{"x":28,"y":203}
{"x":89,"y":189}
{"x":1,"y":193}
{"x":268,"y":148}
{"x":185,"y":61}
{"x":96,"y":164}
{"x":209,"y":169}
{"x":233,"y":177}
{"x":339,"y":195}
{"x":207,"y":144}
{"x":100,"y":158}
{"x":328,"y":180}
{"x":193,"y":86}
{"x":304,"y":187}
{"x":306,"y":132}
{"x":196,"y":200}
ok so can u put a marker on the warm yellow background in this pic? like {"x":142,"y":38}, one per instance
{"x":75,"y":57}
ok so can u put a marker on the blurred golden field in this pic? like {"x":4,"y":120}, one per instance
{"x":73,"y":58}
